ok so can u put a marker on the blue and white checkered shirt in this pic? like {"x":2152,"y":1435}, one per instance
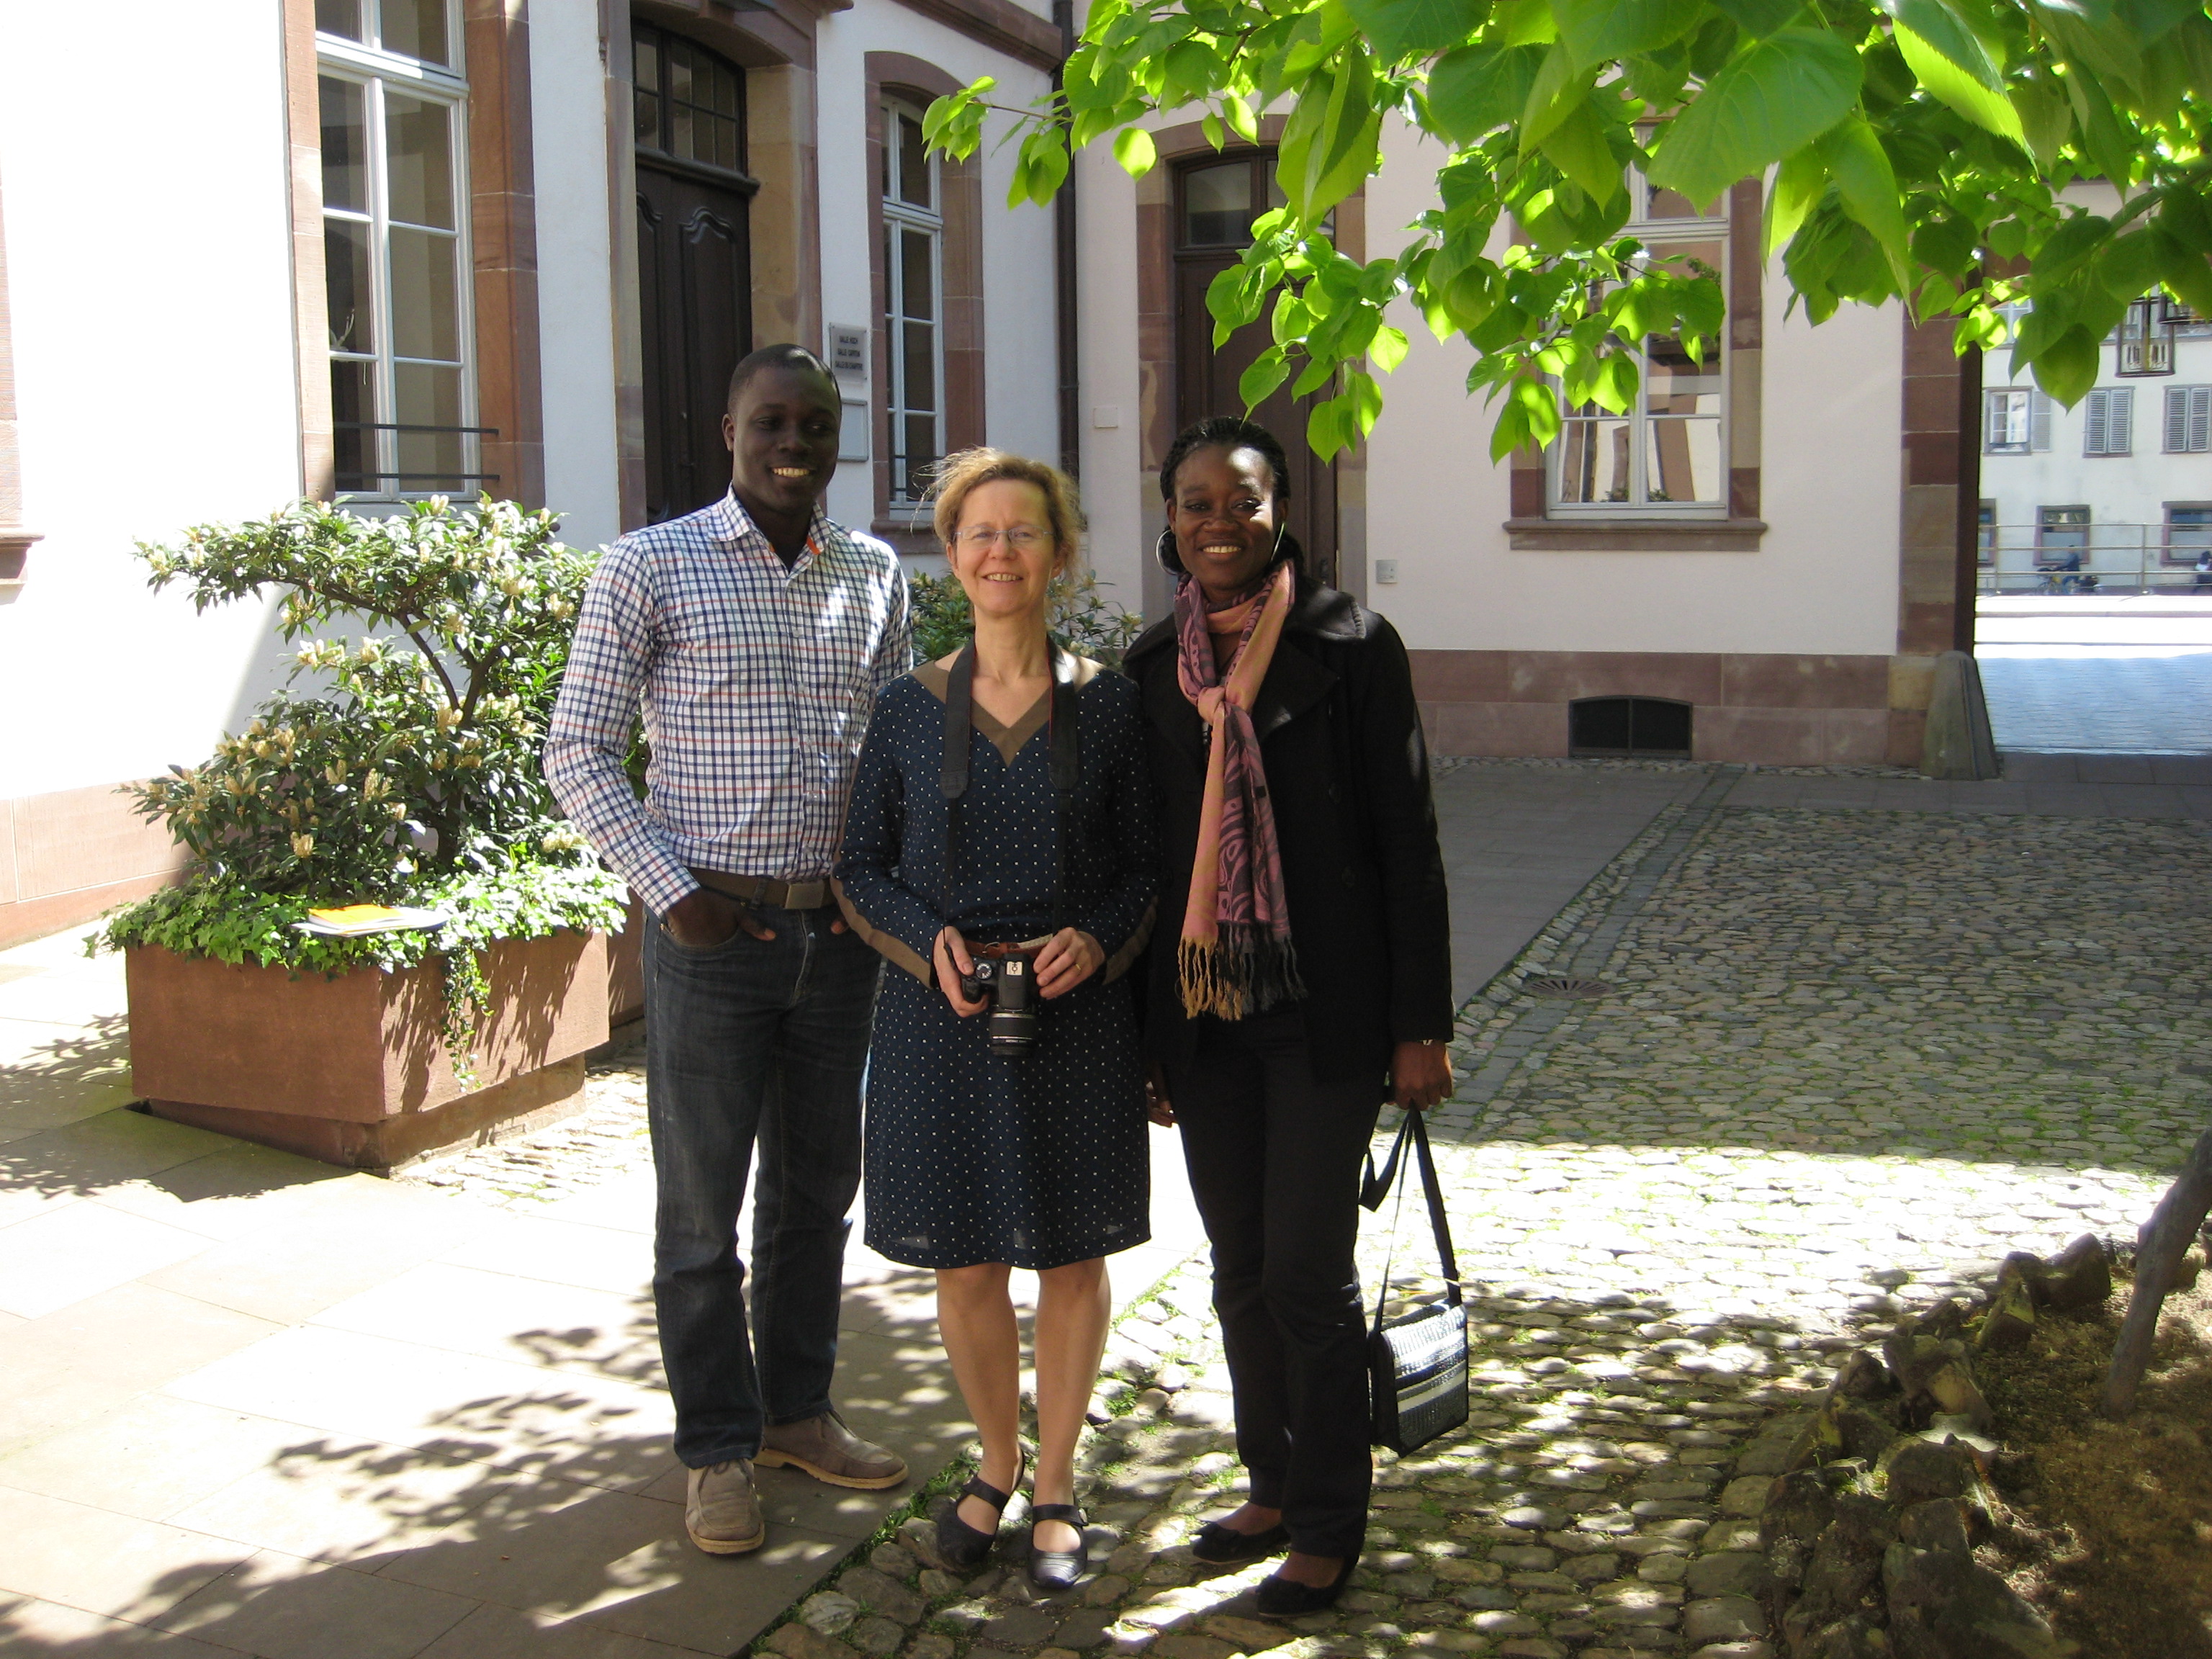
{"x":755,"y":685}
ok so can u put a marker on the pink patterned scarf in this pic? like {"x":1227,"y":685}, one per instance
{"x":1235,"y":956}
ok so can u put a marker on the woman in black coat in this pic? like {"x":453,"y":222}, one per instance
{"x":1310,"y":981}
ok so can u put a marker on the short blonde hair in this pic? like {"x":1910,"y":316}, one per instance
{"x":960,"y":474}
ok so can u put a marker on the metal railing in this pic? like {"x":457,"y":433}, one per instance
{"x":2099,"y":558}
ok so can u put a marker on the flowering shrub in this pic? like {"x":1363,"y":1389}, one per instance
{"x":409,"y":770}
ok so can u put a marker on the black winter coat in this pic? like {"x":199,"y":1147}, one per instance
{"x":1348,"y":777}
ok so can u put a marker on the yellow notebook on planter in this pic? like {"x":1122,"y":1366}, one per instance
{"x":353,"y":920}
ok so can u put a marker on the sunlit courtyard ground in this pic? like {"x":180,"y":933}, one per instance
{"x":1862,"y":1036}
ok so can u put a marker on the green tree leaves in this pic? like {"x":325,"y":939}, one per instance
{"x":1917,"y":149}
{"x":1328,"y":144}
{"x":1955,"y":64}
{"x":1399,"y":28}
{"x":1478,"y":89}
{"x":1595,"y":30}
{"x":1769,"y":100}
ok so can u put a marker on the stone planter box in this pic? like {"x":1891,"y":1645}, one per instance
{"x":626,"y":968}
{"x":352,"y":1070}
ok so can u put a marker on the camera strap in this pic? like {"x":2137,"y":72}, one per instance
{"x":1064,"y":747}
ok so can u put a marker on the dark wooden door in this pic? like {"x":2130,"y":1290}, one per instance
{"x":1216,"y":202}
{"x":695,"y":314}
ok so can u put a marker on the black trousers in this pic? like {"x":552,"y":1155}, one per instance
{"x":1275,"y":1155}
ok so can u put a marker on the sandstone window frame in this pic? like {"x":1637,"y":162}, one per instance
{"x":898,"y":77}
{"x":912,"y":226}
{"x":1538,"y":523}
{"x":500,"y":279}
{"x":395,"y":449}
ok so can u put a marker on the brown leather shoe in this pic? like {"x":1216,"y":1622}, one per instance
{"x":721,"y":1512}
{"x":825,"y":1448}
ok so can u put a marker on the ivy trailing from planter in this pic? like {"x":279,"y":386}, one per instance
{"x":405,"y":769}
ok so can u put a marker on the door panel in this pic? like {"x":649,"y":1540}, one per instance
{"x":1215,"y":205}
{"x":695,"y":315}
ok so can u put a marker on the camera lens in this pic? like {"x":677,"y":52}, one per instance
{"x":1012,"y":1030}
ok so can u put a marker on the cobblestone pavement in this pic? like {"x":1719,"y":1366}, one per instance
{"x":604,"y":1142}
{"x":1851,"y":1058}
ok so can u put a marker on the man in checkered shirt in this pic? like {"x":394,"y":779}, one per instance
{"x":754,"y":635}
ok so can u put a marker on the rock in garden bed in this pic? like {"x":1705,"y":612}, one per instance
{"x":1959,"y":1494}
{"x":2104,"y":1526}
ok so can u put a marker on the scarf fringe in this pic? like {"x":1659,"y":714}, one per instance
{"x":1242,"y":971}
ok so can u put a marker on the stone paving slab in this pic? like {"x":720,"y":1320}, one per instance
{"x":2112,"y":698}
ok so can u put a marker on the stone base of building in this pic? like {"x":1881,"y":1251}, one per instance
{"x":1769,"y":709}
{"x":66,"y":857}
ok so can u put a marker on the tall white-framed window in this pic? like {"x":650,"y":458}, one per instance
{"x":914,"y":302}
{"x":2188,"y":420}
{"x":2015,"y":421}
{"x":1667,"y":454}
{"x":395,"y":247}
{"x":2108,"y":425}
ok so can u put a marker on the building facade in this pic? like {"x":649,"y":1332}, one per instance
{"x":1760,"y":562}
{"x":436,"y":246}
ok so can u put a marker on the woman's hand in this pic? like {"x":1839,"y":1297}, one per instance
{"x":1068,"y":959}
{"x":951,"y":957}
{"x":1420,"y":1075}
{"x":1158,"y":1106}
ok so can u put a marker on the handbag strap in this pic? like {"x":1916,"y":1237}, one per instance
{"x":1374,"y":1187}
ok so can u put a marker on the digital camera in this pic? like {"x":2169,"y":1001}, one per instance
{"x":1008,"y":984}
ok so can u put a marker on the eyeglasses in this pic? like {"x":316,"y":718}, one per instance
{"x":1021,"y":537}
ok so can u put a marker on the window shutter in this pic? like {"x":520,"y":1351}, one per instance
{"x":2038,"y":421}
{"x":2095,"y":429}
{"x":2120,"y":421}
{"x":2200,"y":418}
{"x":2178,"y":399}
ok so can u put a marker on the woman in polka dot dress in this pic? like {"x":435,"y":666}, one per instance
{"x":978,"y":1162}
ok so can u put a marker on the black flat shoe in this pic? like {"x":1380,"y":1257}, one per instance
{"x":1283,"y":1598}
{"x":1057,"y":1570}
{"x":1224,"y":1546}
{"x":962,"y":1546}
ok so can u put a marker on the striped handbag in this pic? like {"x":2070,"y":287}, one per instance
{"x":1417,"y":1363}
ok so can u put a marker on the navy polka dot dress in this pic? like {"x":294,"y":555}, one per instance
{"x":971,"y":1157}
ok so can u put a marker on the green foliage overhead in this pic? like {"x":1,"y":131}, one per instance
{"x":1912,"y":149}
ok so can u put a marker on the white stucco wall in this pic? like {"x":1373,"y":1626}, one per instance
{"x":1020,"y":395}
{"x":1112,"y":376}
{"x":151,"y":299}
{"x":575,"y":301}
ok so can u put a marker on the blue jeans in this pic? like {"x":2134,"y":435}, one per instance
{"x":753,"y":1044}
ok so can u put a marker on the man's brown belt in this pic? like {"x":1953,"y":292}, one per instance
{"x":765,"y":890}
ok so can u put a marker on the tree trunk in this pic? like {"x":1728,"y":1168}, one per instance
{"x":2164,"y":1240}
